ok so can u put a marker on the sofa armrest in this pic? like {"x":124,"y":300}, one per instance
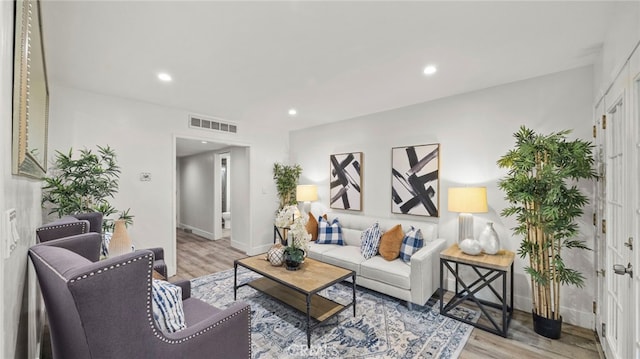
{"x":425,"y":270}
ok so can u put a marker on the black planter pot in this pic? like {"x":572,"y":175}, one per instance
{"x":549,"y":328}
{"x":291,"y":264}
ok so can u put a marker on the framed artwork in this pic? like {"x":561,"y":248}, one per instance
{"x":415,"y":180}
{"x":30,"y":93}
{"x":345,"y":188}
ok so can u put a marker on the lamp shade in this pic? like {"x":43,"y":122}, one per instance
{"x":468,"y":199}
{"x":307,"y":193}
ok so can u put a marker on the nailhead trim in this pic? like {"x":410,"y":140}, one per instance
{"x":155,"y":331}
{"x":83,"y":224}
{"x":113,"y":266}
{"x":185,"y":339}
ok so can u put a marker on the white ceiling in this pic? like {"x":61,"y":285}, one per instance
{"x":252,"y":61}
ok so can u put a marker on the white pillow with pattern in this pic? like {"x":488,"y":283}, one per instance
{"x":370,"y":241}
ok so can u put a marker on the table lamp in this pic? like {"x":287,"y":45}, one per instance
{"x":306,"y":193}
{"x":467,"y":200}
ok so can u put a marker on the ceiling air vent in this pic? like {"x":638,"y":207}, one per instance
{"x":212,"y":124}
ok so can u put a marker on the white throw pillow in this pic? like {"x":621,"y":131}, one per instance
{"x":167,"y":306}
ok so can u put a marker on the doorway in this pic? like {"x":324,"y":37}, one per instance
{"x":208,"y":173}
{"x":225,"y":193}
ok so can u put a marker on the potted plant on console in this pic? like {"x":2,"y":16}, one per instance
{"x":540,"y":187}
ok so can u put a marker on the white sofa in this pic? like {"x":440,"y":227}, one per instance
{"x":414,"y":282}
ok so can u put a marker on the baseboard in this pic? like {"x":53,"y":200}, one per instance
{"x":264,"y":248}
{"x":197,"y":231}
{"x":241,"y":246}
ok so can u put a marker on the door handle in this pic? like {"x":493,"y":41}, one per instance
{"x":622,"y":270}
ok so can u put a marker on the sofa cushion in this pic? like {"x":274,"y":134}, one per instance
{"x":316,"y":251}
{"x":370,"y":241}
{"x":329,"y":233}
{"x":411,"y":243}
{"x":168,"y":311}
{"x":396,"y":273}
{"x":196,"y":311}
{"x":390,"y":243}
{"x":348,"y":257}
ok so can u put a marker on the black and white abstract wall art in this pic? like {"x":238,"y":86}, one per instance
{"x":414,"y":180}
{"x":345,"y":178}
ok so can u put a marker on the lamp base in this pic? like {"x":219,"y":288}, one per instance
{"x":465,"y":226}
{"x":306,"y":207}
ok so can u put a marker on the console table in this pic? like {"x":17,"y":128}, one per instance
{"x":489,"y":269}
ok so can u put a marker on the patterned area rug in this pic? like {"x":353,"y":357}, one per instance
{"x":383,"y":326}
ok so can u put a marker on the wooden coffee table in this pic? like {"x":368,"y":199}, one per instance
{"x":299,"y":289}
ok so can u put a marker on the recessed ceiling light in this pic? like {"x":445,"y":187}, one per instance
{"x":430,"y":70}
{"x":205,"y":142}
{"x":293,"y":112}
{"x":163,"y":76}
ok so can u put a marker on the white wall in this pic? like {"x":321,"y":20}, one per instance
{"x":20,"y":193}
{"x":143,"y":136}
{"x":201,"y":205}
{"x":241,"y":175}
{"x":474,"y":130}
{"x":197,"y":197}
{"x":622,"y":36}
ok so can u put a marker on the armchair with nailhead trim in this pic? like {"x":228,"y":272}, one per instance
{"x":103,"y":309}
{"x":87,"y":225}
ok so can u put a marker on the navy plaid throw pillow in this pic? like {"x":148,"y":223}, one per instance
{"x":411,"y":243}
{"x":329,"y":233}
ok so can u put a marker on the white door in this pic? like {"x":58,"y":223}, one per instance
{"x":600,"y":205}
{"x":634,"y":69}
{"x":616,"y":336}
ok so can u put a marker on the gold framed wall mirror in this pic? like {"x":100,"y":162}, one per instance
{"x":30,"y":93}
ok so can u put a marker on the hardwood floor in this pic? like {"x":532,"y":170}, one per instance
{"x":198,"y":256}
{"x":523,"y":342}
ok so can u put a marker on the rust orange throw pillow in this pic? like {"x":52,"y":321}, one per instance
{"x":312,"y":226}
{"x":390,"y":243}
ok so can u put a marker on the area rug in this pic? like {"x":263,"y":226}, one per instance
{"x":383,"y":326}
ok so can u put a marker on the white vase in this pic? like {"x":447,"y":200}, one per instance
{"x":470,"y":246}
{"x":489,"y":239}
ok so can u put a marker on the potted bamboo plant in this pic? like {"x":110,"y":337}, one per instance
{"x":286,"y":178}
{"x":541,"y":189}
{"x":84,"y":183}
